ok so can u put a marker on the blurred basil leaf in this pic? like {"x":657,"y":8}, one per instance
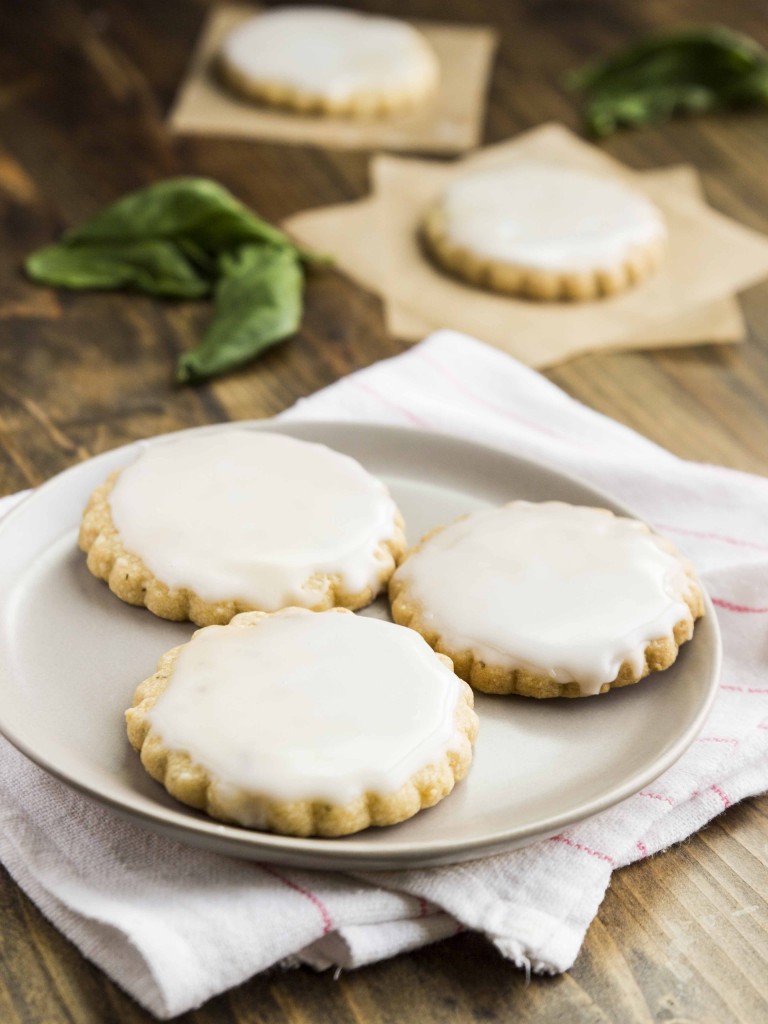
{"x":196,"y":209}
{"x":691,"y":71}
{"x":188,"y":238}
{"x":258,"y":302}
{"x":155,"y":267}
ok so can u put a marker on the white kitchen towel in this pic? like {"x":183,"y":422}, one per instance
{"x":174,"y":925}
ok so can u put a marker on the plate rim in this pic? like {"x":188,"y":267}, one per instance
{"x":316,"y":851}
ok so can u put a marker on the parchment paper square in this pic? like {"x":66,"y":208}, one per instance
{"x":720,"y":322}
{"x":710,"y":257}
{"x":449,"y":123}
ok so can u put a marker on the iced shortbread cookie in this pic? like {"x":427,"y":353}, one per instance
{"x":329,"y":61}
{"x":307,"y":724}
{"x":548,"y":600}
{"x":211,"y":524}
{"x":545,"y":232}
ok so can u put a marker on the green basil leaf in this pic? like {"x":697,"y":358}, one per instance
{"x":186,"y":238}
{"x":196,"y":209}
{"x":258,"y":302}
{"x":691,"y":71}
{"x":156,"y":267}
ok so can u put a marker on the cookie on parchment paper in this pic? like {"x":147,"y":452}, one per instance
{"x":329,"y":61}
{"x":549,"y":599}
{"x":305,"y":723}
{"x":214,"y":523}
{"x":545,"y":232}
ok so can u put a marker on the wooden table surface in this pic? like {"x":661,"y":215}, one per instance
{"x":84,"y":89}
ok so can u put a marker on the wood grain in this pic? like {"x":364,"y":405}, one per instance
{"x":83,"y":94}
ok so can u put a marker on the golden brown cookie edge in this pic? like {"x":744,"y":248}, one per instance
{"x":191,"y":784}
{"x":129,"y":578}
{"x":376,"y":104}
{"x":660,"y":653}
{"x":531,"y":283}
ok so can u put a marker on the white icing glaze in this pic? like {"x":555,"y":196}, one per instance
{"x":563,"y":591}
{"x":251,"y":516}
{"x":309,"y":706}
{"x":549,"y":218}
{"x":331,"y":53}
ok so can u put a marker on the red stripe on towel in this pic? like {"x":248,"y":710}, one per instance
{"x":705,"y":535}
{"x":424,"y":907}
{"x":742,"y":608}
{"x":658,"y":796}
{"x":417,"y":421}
{"x":723,"y":796}
{"x":584,"y":849}
{"x":311,"y":896}
{"x":483,"y":401}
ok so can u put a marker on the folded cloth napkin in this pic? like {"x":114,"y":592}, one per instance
{"x":174,"y":925}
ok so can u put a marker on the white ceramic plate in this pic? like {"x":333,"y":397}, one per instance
{"x":73,"y":655}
